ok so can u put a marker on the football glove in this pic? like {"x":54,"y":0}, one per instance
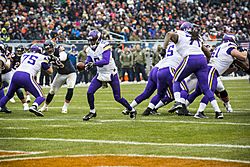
{"x":89,"y":66}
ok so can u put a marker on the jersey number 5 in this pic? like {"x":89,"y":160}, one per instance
{"x":31,"y":59}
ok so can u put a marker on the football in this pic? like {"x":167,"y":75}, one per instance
{"x":80,"y":66}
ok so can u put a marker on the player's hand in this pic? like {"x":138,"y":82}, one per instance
{"x":241,"y":49}
{"x":163,"y":53}
{"x":89,"y":66}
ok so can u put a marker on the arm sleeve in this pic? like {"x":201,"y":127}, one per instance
{"x":105,"y":58}
{"x":229,"y":50}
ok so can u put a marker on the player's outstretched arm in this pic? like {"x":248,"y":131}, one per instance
{"x":171,"y":36}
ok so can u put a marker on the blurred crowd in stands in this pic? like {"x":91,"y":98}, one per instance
{"x":133,"y":19}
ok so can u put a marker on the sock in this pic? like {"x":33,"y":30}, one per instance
{"x":151,"y":106}
{"x":35,"y":104}
{"x":92,"y":111}
{"x":133,"y":104}
{"x":183,"y":101}
{"x":177,"y":96}
{"x":215,"y":106}
{"x":201,"y":107}
{"x":66,"y":104}
{"x":159,"y":105}
{"x":187,"y":103}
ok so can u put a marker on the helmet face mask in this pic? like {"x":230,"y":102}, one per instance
{"x":94,"y":37}
{"x":19,"y":50}
{"x":49,"y":47}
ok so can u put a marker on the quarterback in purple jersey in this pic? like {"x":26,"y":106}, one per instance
{"x":190,"y":47}
{"x":31,"y":64}
{"x":99,"y":54}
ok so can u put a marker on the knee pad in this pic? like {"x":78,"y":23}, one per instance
{"x":69,"y":94}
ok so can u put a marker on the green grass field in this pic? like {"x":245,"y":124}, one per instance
{"x":113,"y":133}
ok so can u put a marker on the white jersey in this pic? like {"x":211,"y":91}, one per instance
{"x":185,"y":46}
{"x":221,"y":58}
{"x":96,"y":55}
{"x":171,"y":59}
{"x":32,"y":63}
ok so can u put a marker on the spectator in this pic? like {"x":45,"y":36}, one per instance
{"x":73,"y":55}
{"x":4,"y":36}
{"x":82,"y":74}
{"x":126,"y":60}
{"x":139,"y":62}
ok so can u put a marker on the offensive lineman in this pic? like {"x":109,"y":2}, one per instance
{"x":31,"y":64}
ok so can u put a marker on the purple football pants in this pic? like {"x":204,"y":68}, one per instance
{"x":115,"y":85}
{"x":164,"y":84}
{"x":150,"y":87}
{"x":23,"y":80}
{"x":196,"y":64}
{"x":212,"y":80}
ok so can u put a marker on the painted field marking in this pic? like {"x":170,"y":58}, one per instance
{"x":129,"y":155}
{"x":121,"y":120}
{"x":14,"y":128}
{"x":126,"y":142}
{"x":18,"y":153}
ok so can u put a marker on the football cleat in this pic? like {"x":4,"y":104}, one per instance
{"x":64,"y":110}
{"x":34,"y":110}
{"x":125,"y":112}
{"x":218,"y":115}
{"x":89,"y":116}
{"x":132,"y":114}
{"x":200,"y":115}
{"x":5,"y":109}
{"x":147,"y":112}
{"x":154,"y":112}
{"x":176,"y":106}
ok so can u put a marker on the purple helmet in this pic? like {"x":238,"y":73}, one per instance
{"x":36,"y":48}
{"x":228,"y":38}
{"x":94,"y":37}
{"x":187,"y":27}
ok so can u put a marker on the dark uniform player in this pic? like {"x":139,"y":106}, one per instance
{"x":8,"y":72}
{"x":65,"y":73}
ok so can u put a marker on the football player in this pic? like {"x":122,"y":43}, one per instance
{"x":14,"y":61}
{"x":221,"y":59}
{"x":66,"y":72}
{"x":165,"y":76}
{"x":31,"y":64}
{"x":190,"y":47}
{"x":99,"y":54}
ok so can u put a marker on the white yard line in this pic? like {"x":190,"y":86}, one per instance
{"x":126,"y":142}
{"x":130,"y":155}
{"x":123,"y":120}
{"x":14,"y":128}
